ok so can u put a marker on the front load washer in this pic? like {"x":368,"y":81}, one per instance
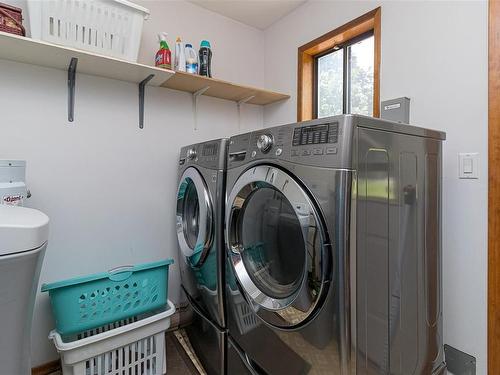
{"x":200,"y":212}
{"x":333,"y":233}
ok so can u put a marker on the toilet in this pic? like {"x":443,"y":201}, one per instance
{"x":23,"y":240}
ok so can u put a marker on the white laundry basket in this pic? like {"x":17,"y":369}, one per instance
{"x":246,"y":320}
{"x":106,"y":27}
{"x":133,"y":346}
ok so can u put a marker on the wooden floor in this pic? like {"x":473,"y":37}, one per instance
{"x":181,"y":359}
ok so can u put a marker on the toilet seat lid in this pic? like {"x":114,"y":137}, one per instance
{"x":22,"y":229}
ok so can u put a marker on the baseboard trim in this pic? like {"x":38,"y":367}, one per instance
{"x":47,"y":368}
{"x":182,"y":316}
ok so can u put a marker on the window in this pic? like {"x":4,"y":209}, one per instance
{"x":339,"y":71}
{"x":344,"y":79}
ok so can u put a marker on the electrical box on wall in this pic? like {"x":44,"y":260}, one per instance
{"x":396,"y":110}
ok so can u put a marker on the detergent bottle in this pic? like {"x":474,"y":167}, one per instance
{"x":180,"y":57}
{"x":191,"y":59}
{"x":205,"y":59}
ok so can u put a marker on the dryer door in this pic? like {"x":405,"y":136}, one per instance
{"x":194,"y":217}
{"x":277,"y":246}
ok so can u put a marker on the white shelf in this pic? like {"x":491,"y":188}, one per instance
{"x":35,"y":52}
{"x":222,"y":89}
{"x":30,"y":51}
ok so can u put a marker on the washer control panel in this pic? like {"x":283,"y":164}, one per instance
{"x":191,"y":154}
{"x":265,"y":142}
{"x":209,"y":151}
{"x":209,"y":154}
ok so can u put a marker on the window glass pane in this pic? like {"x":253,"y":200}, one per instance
{"x":330,"y":84}
{"x":361,"y":57}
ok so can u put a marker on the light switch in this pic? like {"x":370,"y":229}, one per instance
{"x":468,"y":164}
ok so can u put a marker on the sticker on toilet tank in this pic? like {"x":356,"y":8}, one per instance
{"x":13,"y":200}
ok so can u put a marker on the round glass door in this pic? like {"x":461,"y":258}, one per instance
{"x":194,"y":217}
{"x":272,"y":243}
{"x":275,"y":243}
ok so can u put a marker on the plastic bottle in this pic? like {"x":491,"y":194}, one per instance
{"x":191,"y":59}
{"x":180,"y":57}
{"x":163,"y":57}
{"x":205,"y":59}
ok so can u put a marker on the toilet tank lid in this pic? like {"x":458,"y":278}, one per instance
{"x":22,"y":229}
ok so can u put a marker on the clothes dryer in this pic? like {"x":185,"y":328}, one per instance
{"x":333,"y":233}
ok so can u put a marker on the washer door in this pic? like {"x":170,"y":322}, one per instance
{"x":276,"y":246}
{"x":194,"y":217}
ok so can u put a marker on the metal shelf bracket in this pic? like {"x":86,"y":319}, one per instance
{"x":196,"y":95}
{"x":71,"y":88}
{"x":238,"y":104}
{"x":142,"y":87}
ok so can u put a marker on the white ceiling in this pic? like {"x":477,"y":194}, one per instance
{"x":257,"y":13}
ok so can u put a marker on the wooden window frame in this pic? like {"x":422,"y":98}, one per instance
{"x":306,"y":60}
{"x":493,"y":187}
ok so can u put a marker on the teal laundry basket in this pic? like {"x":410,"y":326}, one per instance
{"x":88,"y":302}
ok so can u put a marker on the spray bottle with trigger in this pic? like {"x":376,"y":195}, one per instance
{"x":163,"y":57}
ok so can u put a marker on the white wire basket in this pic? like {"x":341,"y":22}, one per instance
{"x":106,"y":27}
{"x":246,"y":320}
{"x":133,"y":346}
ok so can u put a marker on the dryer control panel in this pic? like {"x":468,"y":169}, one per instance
{"x":317,"y":143}
{"x":316,"y":134}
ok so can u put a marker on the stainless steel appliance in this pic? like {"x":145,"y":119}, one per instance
{"x":200,"y":210}
{"x":333,"y":229}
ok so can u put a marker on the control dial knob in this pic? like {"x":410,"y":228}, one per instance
{"x":191,"y":154}
{"x":265,"y":142}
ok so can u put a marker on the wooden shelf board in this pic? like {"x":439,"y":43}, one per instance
{"x":30,"y":51}
{"x":222,"y":89}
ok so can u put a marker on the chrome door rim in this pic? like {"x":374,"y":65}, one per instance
{"x":286,"y":184}
{"x":204,"y":237}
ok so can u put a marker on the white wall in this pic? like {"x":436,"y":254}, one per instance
{"x":108,"y":187}
{"x":237,"y":48}
{"x":436,"y":54}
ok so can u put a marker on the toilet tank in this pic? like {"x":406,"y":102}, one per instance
{"x":23,"y":239}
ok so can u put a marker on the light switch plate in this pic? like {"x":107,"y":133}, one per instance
{"x":468,"y":165}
